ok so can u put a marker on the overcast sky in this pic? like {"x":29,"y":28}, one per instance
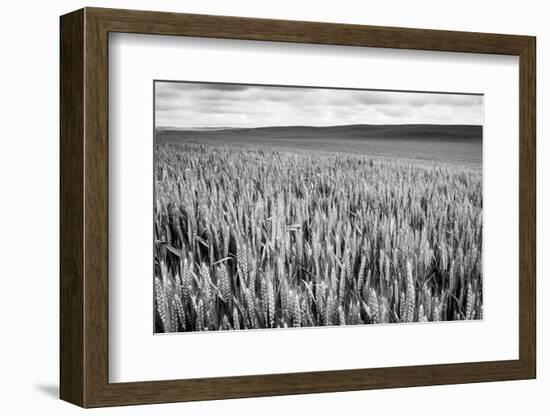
{"x":234,"y":105}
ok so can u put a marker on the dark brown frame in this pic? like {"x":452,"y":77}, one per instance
{"x":84,"y":210}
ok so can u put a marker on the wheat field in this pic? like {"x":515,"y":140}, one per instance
{"x":250,"y":238}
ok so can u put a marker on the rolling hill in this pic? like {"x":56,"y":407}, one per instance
{"x":426,"y":142}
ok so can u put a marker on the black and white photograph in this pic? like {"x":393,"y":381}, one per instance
{"x":290,"y":206}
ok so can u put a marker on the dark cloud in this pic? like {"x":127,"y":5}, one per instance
{"x":166,"y":94}
{"x":163,"y":86}
{"x":222,"y":87}
{"x":185,"y":104}
{"x":375,"y":98}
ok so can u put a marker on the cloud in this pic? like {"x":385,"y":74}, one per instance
{"x":184,"y":104}
{"x":395,"y":111}
{"x":451,"y":100}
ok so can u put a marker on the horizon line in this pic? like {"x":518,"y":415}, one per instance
{"x":316,"y":126}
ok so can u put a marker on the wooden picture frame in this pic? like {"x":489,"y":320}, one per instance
{"x":84,"y":207}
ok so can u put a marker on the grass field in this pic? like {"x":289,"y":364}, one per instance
{"x":288,"y":227}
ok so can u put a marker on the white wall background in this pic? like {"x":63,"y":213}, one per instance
{"x":30,"y":192}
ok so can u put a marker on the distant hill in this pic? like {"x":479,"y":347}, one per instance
{"x":424,"y":132}
{"x":457,"y":144}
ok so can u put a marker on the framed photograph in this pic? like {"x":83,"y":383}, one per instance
{"x":257,"y":207}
